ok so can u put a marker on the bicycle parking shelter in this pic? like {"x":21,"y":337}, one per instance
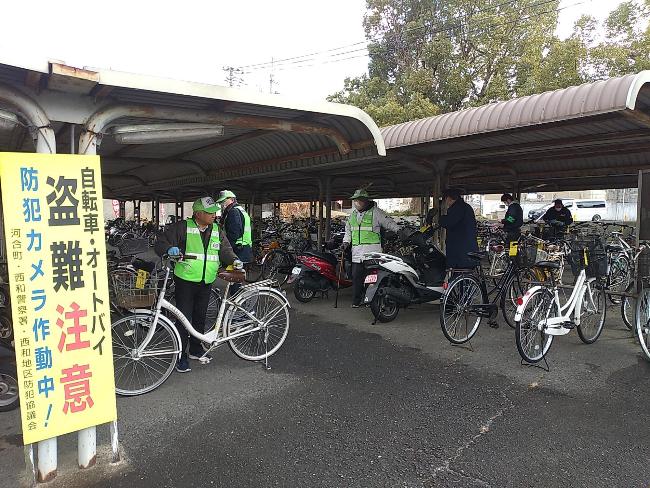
{"x":272,"y":149}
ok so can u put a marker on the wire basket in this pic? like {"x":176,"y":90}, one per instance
{"x":131,"y":247}
{"x":526,"y":256}
{"x":134,"y":289}
{"x":644,"y":264}
{"x":590,"y":256}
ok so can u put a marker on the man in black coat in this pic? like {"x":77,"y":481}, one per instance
{"x":559,"y":217}
{"x":513,"y":219}
{"x":460,"y":224}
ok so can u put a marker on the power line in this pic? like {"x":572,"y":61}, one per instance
{"x":443,"y":28}
{"x":299,"y":64}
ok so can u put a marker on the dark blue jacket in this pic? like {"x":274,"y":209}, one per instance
{"x":232,"y":222}
{"x":461,"y":235}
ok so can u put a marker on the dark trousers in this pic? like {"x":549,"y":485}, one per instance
{"x":192,"y":300}
{"x":358,"y":287}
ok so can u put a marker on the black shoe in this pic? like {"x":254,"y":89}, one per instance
{"x":183,"y":366}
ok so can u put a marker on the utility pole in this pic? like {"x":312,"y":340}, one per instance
{"x":272,"y":81}
{"x":234,"y":76}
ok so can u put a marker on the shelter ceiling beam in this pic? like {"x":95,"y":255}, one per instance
{"x":100,"y":120}
{"x":532,"y":147}
{"x":144,"y":162}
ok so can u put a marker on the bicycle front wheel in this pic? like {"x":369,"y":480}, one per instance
{"x":627,"y":312}
{"x":136,"y":374}
{"x":458,"y":320}
{"x":643,"y":321}
{"x":620,"y":277}
{"x":516,"y":288}
{"x":530,"y":330}
{"x":267,"y":315}
{"x":593,"y":313}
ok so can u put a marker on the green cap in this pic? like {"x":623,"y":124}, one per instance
{"x":225,"y":194}
{"x":205,"y":204}
{"x":360,"y":194}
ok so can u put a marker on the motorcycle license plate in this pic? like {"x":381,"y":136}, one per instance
{"x":370,"y":279}
{"x":296,"y":270}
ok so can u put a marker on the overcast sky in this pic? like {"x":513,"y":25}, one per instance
{"x":196,"y":39}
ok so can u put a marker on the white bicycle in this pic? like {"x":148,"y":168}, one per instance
{"x":540,"y":316}
{"x":146,"y":345}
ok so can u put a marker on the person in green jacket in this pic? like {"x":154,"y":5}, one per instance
{"x":200,"y":238}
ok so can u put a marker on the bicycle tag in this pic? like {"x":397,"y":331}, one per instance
{"x":141,"y":278}
{"x":513,"y":249}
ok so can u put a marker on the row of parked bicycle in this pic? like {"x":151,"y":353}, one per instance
{"x":545,"y":285}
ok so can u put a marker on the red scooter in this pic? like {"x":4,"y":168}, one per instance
{"x":317,"y":272}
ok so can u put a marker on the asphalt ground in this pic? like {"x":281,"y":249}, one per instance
{"x":351,"y":404}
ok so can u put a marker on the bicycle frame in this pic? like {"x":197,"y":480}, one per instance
{"x":213,"y":336}
{"x":572,"y":307}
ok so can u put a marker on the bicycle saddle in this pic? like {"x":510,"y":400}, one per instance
{"x":477,"y":255}
{"x":548,"y":265}
{"x":233,"y":276}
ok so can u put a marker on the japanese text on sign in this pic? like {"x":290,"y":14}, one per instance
{"x":59,"y":290}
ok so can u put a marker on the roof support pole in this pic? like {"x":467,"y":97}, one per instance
{"x":136,"y":211}
{"x":328,"y":207}
{"x":87,"y":438}
{"x":321,"y":191}
{"x":35,"y":115}
{"x":45,"y":142}
{"x":122,"y":209}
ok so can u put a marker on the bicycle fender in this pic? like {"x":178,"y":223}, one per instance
{"x":146,"y":311}
{"x":526,"y":297}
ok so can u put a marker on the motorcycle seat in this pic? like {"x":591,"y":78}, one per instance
{"x":326,"y":256}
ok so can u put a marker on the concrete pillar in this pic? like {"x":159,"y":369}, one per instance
{"x":122,"y":209}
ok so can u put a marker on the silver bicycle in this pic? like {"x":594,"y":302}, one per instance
{"x":146,"y":345}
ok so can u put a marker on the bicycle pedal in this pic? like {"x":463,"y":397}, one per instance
{"x":569,"y":325}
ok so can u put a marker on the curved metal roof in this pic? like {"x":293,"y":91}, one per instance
{"x":262,"y":133}
{"x":589,"y":99}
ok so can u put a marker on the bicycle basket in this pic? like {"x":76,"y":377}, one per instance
{"x":131,"y":247}
{"x":590,"y":256}
{"x":526,"y":256}
{"x":134,"y":289}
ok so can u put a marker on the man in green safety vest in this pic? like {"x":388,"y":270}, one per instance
{"x":200,"y":238}
{"x":236,"y":223}
{"x":363,"y":232}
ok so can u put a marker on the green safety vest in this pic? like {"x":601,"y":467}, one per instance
{"x":247,"y":237}
{"x":206,"y":265}
{"x":362,"y":232}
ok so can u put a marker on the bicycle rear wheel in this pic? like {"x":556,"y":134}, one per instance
{"x":594,"y":311}
{"x":533,"y":343}
{"x":458,"y":322}
{"x":269,"y":324}
{"x":139,"y":374}
{"x":643,"y":321}
{"x":276,"y":266}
